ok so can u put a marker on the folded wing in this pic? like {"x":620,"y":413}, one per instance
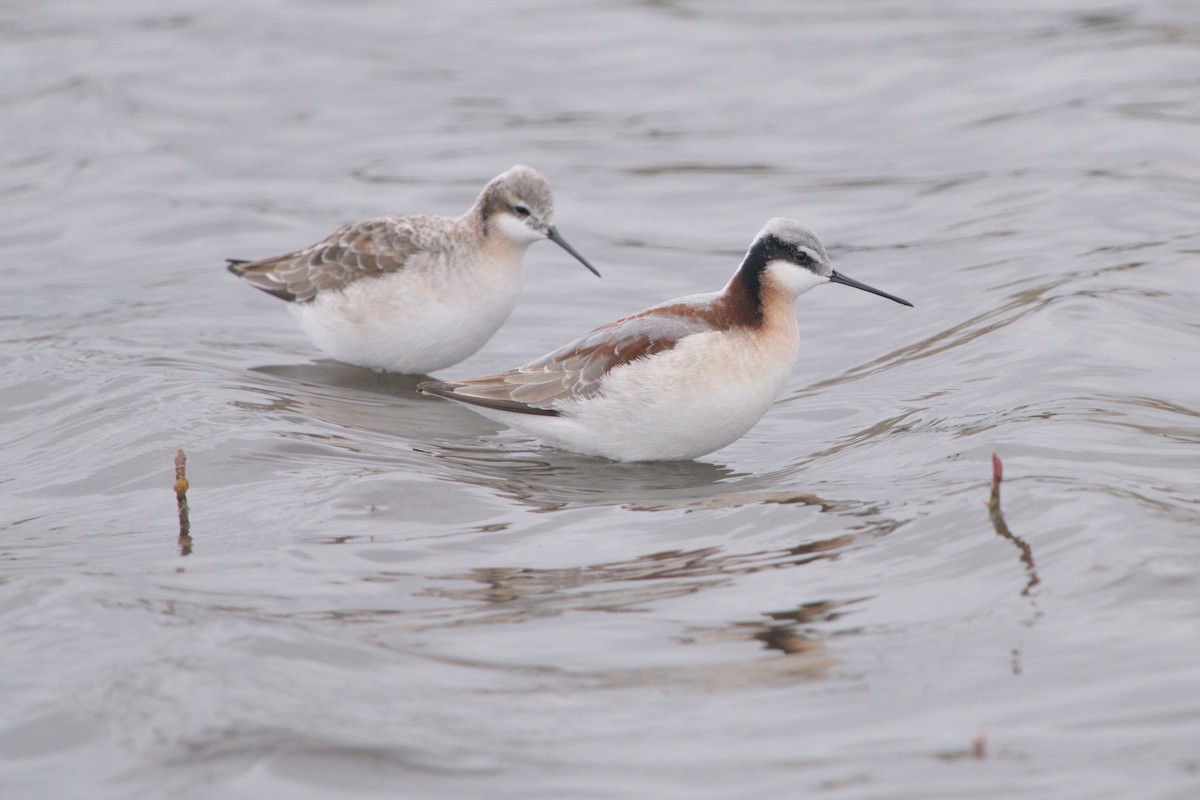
{"x":576,"y":371}
{"x":354,"y":251}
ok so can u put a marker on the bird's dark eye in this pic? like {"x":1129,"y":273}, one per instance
{"x":522,"y":211}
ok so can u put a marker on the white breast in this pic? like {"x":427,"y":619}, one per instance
{"x":418,"y":319}
{"x":679,"y":404}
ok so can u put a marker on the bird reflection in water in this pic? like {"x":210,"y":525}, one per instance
{"x":516,"y":595}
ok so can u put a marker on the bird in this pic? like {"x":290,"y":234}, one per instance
{"x":415,"y":293}
{"x":678,"y":380}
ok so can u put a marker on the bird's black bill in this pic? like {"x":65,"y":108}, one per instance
{"x":556,"y":237}
{"x":838,"y":277}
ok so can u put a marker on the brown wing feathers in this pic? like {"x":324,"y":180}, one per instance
{"x":574,"y":372}
{"x":446,"y":389}
{"x":352,"y":252}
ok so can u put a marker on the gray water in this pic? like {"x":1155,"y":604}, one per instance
{"x":387,"y":596}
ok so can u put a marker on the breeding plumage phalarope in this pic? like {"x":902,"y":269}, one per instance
{"x":678,"y":380}
{"x":415,"y":293}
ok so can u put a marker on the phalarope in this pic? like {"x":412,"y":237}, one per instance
{"x":415,"y":293}
{"x":678,"y":380}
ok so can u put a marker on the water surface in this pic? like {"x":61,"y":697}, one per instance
{"x":389,"y":596}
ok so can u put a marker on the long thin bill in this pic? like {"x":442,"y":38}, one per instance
{"x":553,"y":235}
{"x":838,"y":277}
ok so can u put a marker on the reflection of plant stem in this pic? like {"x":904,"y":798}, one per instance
{"x":1002,"y":527}
{"x":181,"y":487}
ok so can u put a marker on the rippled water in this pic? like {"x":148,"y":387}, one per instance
{"x":387,"y":596}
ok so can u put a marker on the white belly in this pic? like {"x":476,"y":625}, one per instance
{"x":680,"y":404}
{"x":409,"y":323}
